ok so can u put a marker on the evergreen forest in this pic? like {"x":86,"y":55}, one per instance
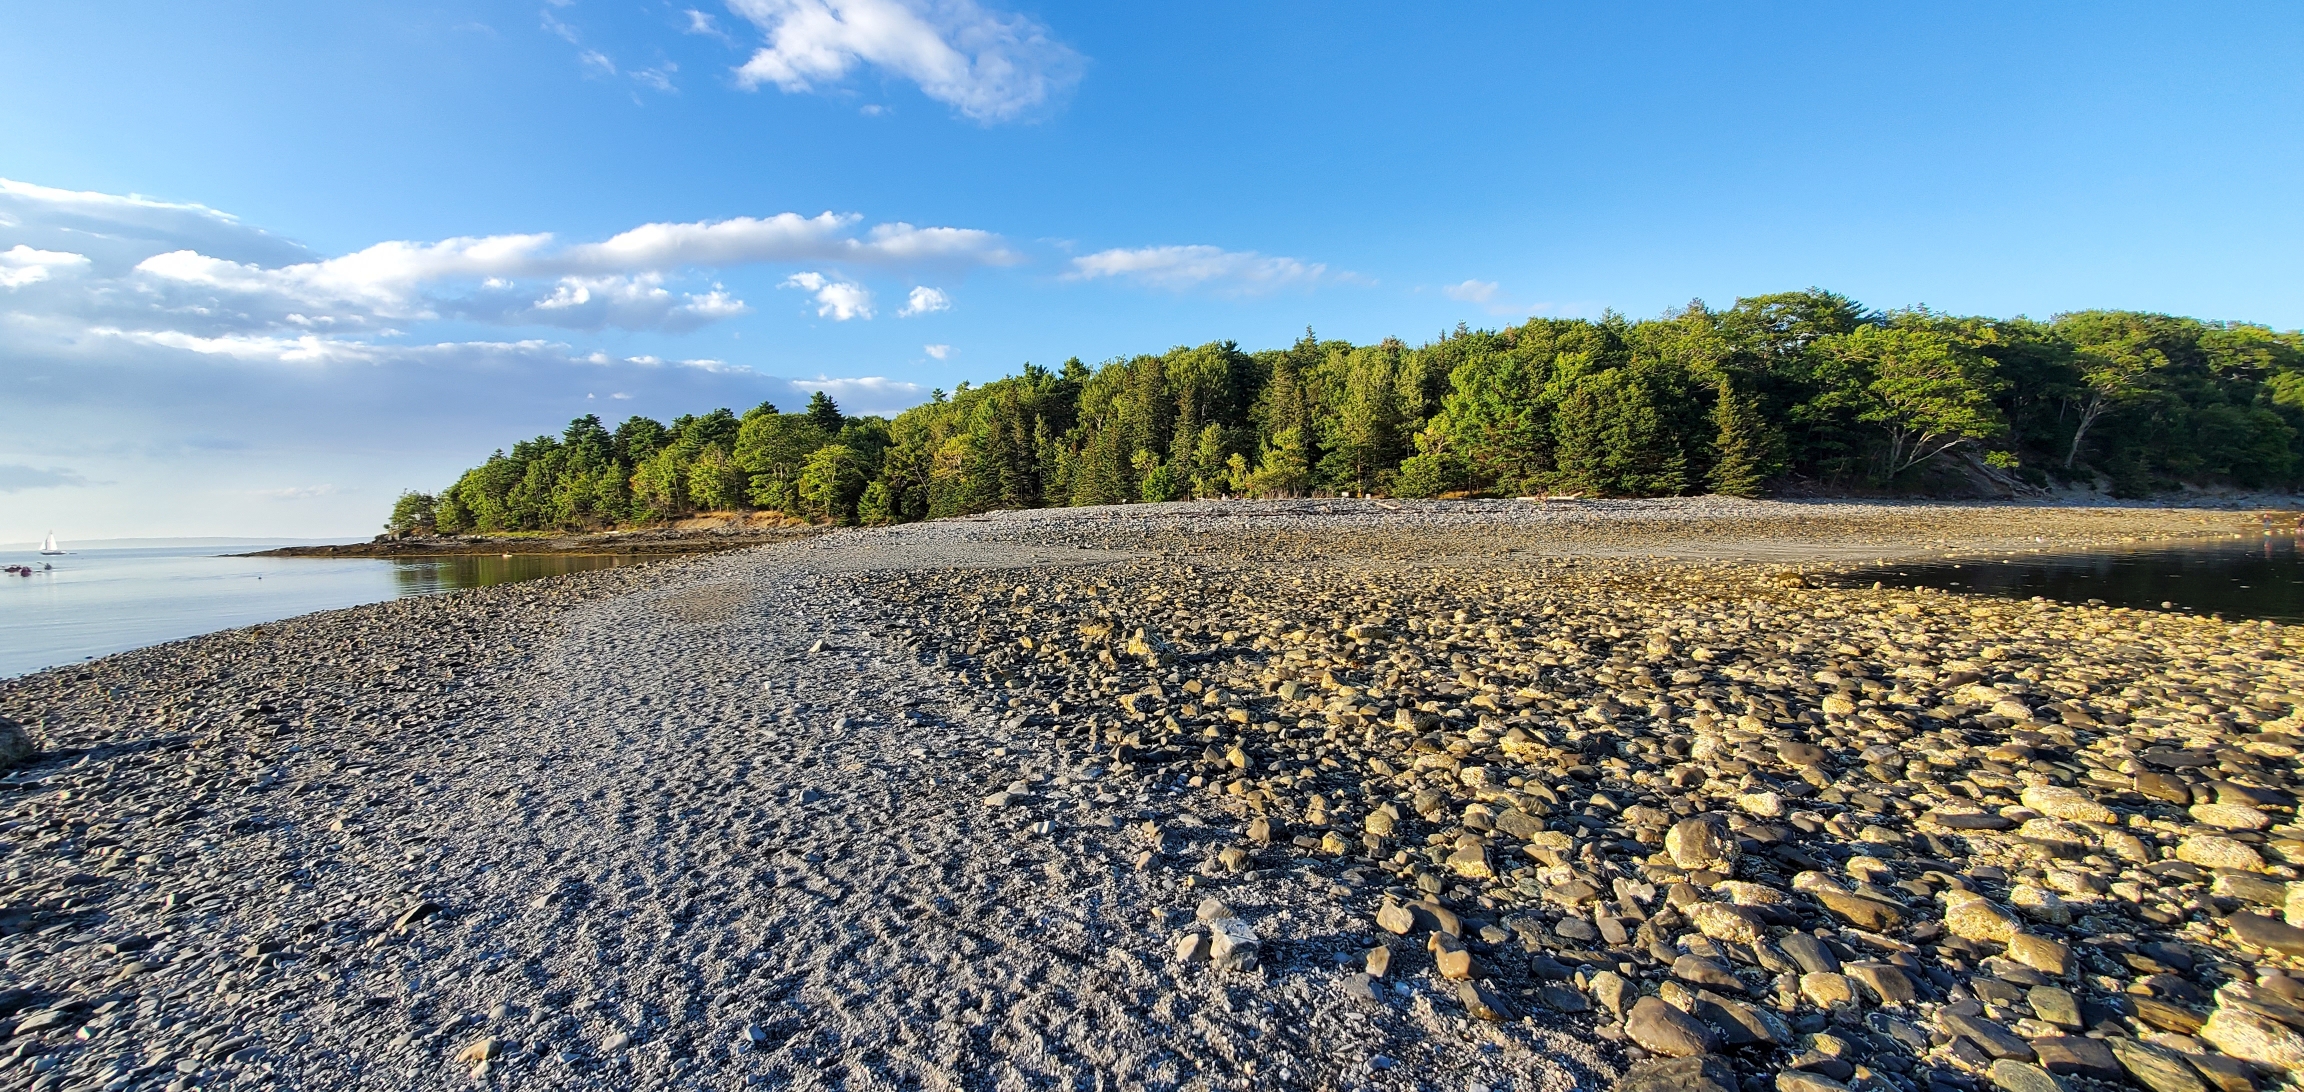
{"x":1802,"y":391}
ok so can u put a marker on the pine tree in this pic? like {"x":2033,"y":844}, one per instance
{"x":1744,"y":447}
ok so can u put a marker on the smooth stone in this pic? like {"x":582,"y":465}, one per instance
{"x":2253,"y":1038}
{"x":2268,"y":933}
{"x":1810,"y":953}
{"x":2076,"y":1054}
{"x":1888,"y":983}
{"x":1827,"y":990}
{"x":2011,"y":1075}
{"x":2056,"y":1006}
{"x":1703,"y":972}
{"x":1693,"y":1073}
{"x":1661,"y":1029}
{"x":2049,"y":957}
{"x":1997,"y":1041}
{"x":1800,"y":1080}
{"x":2154,"y":1067}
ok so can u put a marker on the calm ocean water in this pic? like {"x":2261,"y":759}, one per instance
{"x":97,"y":602}
{"x":2260,"y":576}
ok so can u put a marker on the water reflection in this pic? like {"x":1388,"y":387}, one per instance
{"x":2255,"y":577}
{"x":427,"y":575}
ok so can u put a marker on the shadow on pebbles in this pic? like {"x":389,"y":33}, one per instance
{"x":1247,"y":796}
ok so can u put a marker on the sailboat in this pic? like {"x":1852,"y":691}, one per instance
{"x":49,"y":547}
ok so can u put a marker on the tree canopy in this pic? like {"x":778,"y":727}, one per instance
{"x":1797,"y":387}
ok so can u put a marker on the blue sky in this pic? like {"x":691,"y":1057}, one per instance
{"x":263,"y":265}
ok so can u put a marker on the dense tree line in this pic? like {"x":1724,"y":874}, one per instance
{"x":1800,"y":387}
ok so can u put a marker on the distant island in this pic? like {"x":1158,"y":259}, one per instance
{"x":1788,"y":393}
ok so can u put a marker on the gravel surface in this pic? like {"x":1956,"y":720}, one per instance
{"x":1295,"y":795}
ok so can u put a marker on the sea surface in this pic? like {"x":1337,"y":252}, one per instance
{"x":97,"y":602}
{"x":2260,"y":576}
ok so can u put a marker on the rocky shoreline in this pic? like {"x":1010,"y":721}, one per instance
{"x":694,"y":536}
{"x":1300,"y":795}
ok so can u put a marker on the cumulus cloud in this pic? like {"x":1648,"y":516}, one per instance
{"x":937,"y":351}
{"x":838,"y":300}
{"x":15,"y":478}
{"x":925,"y":299}
{"x":129,"y":262}
{"x":1472,"y":291}
{"x":989,"y":65}
{"x":21,"y":265}
{"x":631,"y":303}
{"x":1182,"y":267}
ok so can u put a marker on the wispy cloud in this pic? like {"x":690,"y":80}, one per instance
{"x":1472,"y":291}
{"x":991,"y":66}
{"x":870,"y":393}
{"x":15,"y":478}
{"x":938,"y":351}
{"x":1183,"y":267}
{"x":838,"y":300}
{"x":924,"y":300}
{"x":294,"y":492}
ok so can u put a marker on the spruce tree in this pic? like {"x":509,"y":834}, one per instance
{"x":1744,"y":447}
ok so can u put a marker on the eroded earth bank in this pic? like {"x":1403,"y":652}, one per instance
{"x":1286,"y":795}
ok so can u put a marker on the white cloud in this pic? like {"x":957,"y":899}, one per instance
{"x":1472,"y":291}
{"x":21,"y":265}
{"x":938,"y":351}
{"x":630,"y":303}
{"x":840,"y":300}
{"x":925,"y":299}
{"x":1181,"y":267}
{"x":991,"y":66}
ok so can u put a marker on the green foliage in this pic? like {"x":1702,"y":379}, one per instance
{"x":413,"y":513}
{"x":1798,"y":386}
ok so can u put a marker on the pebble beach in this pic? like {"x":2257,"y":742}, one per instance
{"x":1310,"y":794}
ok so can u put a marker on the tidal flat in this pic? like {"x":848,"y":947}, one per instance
{"x":1318,"y":794}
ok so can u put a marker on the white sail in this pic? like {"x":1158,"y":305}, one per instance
{"x":49,"y":547}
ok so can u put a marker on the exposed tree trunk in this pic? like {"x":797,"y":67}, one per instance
{"x":2087,"y":417}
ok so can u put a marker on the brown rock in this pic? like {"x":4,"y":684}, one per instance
{"x":1661,"y":1029}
